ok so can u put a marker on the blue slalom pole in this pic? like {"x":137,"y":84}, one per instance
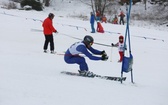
{"x":127,"y":33}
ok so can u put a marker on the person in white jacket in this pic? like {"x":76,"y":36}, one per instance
{"x":120,"y":46}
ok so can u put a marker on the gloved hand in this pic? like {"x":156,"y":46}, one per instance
{"x":112,"y":44}
{"x":55,"y":31}
{"x":104,"y":57}
{"x":103,"y":53}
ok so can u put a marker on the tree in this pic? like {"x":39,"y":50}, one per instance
{"x":145,"y":1}
{"x":35,"y":4}
{"x":46,"y":2}
{"x":98,"y":5}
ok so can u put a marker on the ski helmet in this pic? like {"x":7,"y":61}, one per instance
{"x":88,"y":40}
{"x":121,"y":38}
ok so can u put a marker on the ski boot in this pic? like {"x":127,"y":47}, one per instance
{"x":86,"y":73}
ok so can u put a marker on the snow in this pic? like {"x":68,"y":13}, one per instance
{"x":30,"y":77}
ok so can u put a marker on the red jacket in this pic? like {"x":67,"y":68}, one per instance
{"x":100,"y":28}
{"x":48,"y":28}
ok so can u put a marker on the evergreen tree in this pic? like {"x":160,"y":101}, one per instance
{"x":36,"y":4}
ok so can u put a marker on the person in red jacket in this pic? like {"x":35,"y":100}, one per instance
{"x":100,"y":27}
{"x":48,"y":30}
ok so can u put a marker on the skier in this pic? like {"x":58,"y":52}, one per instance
{"x":121,"y":15}
{"x":92,"y":20}
{"x":120,"y":46}
{"x":48,"y":29}
{"x":99,"y":27}
{"x":72,"y":55}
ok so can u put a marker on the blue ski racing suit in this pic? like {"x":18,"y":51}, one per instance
{"x":72,"y":55}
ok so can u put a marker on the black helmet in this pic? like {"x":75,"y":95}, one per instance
{"x":88,"y":40}
{"x":50,"y":15}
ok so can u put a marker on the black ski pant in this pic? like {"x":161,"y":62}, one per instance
{"x":122,"y":21}
{"x":49,"y":39}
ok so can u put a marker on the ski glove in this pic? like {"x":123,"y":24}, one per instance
{"x":112,"y":44}
{"x":104,"y":57}
{"x":55,"y":31}
{"x":103,"y":53}
{"x":125,"y":48}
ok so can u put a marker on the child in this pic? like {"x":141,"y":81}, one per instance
{"x":115,"y":20}
{"x":100,"y":27}
{"x":120,"y":46}
{"x":104,"y":19}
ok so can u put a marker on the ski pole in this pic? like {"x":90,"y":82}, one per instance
{"x":111,"y":54}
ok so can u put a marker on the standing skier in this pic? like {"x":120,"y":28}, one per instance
{"x":72,"y":55}
{"x":48,"y":30}
{"x":92,"y":20}
{"x":121,"y":15}
{"x":120,"y":46}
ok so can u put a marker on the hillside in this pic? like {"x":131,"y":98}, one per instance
{"x":154,"y":16}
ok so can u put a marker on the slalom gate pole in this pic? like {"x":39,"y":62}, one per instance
{"x":130,"y":40}
{"x":127,"y":34}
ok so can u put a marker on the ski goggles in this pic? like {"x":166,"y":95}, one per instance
{"x":91,"y":43}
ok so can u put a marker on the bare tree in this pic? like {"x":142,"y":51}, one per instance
{"x":97,"y":5}
{"x":145,"y":1}
{"x":100,"y":5}
{"x":46,"y":2}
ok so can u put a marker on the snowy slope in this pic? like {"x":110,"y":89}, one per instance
{"x":30,"y":77}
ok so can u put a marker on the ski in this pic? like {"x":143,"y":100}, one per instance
{"x":47,"y":52}
{"x":96,"y":76}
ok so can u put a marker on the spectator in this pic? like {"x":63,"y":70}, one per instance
{"x":104,"y":19}
{"x":115,"y":20}
{"x":121,"y":15}
{"x":100,"y":27}
{"x":48,"y":30}
{"x":98,"y":16}
{"x":92,"y":20}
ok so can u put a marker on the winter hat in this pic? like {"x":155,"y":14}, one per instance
{"x":50,"y":15}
